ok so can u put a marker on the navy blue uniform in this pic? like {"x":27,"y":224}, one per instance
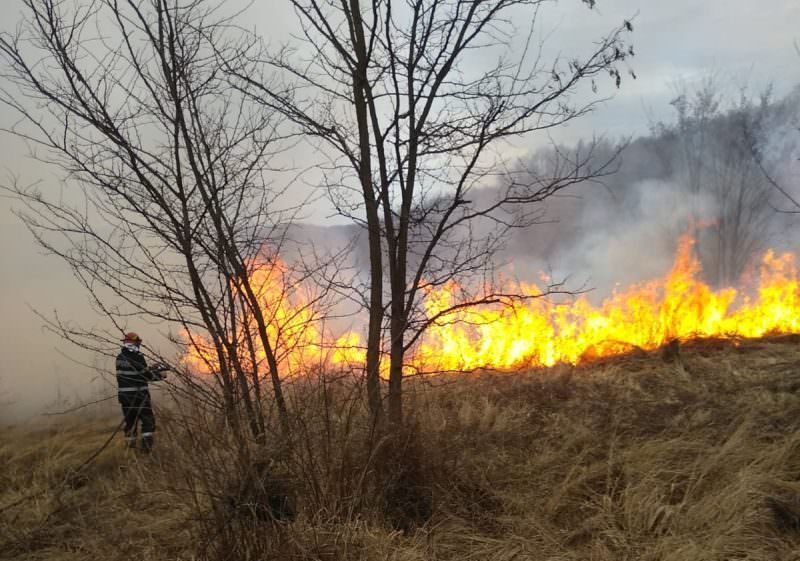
{"x":133,"y":375}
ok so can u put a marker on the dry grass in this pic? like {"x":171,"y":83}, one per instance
{"x":629,"y":458}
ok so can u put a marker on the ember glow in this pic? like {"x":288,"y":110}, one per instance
{"x":538,"y":331}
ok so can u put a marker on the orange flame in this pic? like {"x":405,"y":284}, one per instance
{"x":293,"y":327}
{"x":536,"y":331}
{"x":647,"y":315}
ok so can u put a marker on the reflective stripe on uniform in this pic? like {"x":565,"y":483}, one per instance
{"x":136,"y":389}
{"x":146,"y":434}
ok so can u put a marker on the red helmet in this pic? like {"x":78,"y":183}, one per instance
{"x":131,"y":337}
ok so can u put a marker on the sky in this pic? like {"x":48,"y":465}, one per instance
{"x":742,"y":42}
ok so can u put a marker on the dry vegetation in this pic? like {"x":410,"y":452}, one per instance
{"x":646,"y":457}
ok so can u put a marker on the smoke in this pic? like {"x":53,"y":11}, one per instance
{"x":598,"y":242}
{"x":697,"y":173}
{"x":40,"y":372}
{"x":633,"y":240}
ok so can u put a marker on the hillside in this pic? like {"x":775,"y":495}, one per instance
{"x":650,"y":456}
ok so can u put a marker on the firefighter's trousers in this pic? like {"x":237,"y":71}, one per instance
{"x":137,"y":408}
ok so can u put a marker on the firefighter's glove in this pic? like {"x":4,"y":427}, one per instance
{"x":160,"y":371}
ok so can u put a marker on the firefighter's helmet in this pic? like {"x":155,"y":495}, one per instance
{"x":132,"y":337}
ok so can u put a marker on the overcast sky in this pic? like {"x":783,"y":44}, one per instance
{"x":743,"y":42}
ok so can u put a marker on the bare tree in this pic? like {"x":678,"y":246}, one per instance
{"x":720,"y":171}
{"x":415,"y":119}
{"x":167,"y":211}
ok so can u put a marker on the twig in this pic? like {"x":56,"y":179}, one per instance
{"x":79,"y":407}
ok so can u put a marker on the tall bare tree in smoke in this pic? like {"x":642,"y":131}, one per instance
{"x":719,"y":168}
{"x":175,"y":209}
{"x":415,"y":122}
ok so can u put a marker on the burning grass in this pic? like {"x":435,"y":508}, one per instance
{"x":531,"y":330}
{"x":633,"y":457}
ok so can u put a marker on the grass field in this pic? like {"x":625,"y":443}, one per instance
{"x":631,"y":458}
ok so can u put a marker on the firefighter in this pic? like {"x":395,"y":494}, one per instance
{"x":133,"y":375}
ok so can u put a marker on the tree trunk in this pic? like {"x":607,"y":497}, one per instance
{"x":373,"y":222}
{"x":396,"y":371}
